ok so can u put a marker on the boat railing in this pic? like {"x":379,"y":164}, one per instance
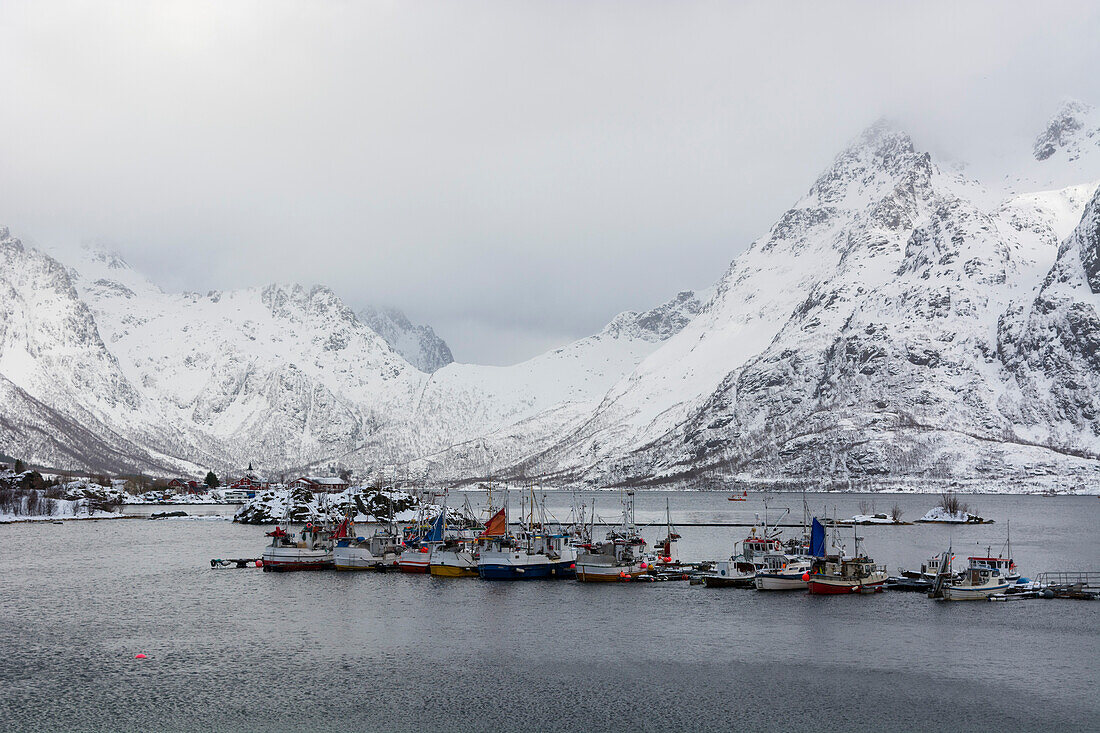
{"x":1084,"y":578}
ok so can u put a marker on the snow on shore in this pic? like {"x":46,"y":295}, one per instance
{"x":22,"y":501}
{"x":366,"y":504}
{"x":939,"y":514}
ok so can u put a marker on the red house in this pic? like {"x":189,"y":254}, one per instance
{"x":183,"y":484}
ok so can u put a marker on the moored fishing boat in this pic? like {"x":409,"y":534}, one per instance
{"x":978,"y":583}
{"x":365,"y":553}
{"x":527,"y":556}
{"x":621,"y":556}
{"x":538,"y":551}
{"x":455,"y":558}
{"x":782,"y":572}
{"x":417,"y":555}
{"x":311,"y":550}
{"x":740,"y":570}
{"x":836,"y":574}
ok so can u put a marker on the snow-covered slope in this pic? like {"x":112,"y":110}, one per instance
{"x":65,"y":399}
{"x":1052,"y":347}
{"x":283,"y":375}
{"x":1065,"y":153}
{"x":417,"y":344}
{"x":899,"y":320}
{"x":858,"y":338}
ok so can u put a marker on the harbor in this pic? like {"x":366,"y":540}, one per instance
{"x":543,"y":650}
{"x":820,"y":555}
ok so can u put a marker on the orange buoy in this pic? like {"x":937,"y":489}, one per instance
{"x":140,"y":656}
{"x":805,"y":577}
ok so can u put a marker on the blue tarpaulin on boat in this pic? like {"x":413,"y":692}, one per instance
{"x":435,"y":534}
{"x":817,"y":539}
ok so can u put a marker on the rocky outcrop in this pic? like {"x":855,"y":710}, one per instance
{"x":417,"y":344}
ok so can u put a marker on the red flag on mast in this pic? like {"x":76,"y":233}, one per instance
{"x":497,"y":526}
{"x":343,"y":529}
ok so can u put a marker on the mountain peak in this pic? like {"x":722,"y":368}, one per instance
{"x":1072,"y":127}
{"x":659,"y":323}
{"x":419,"y":345}
{"x":112,"y":260}
{"x":883,"y":151}
{"x":8,"y":239}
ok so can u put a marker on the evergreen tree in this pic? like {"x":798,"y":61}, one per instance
{"x":212,"y":480}
{"x":20,"y":467}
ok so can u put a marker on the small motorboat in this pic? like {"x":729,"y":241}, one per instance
{"x":783,"y":572}
{"x":620,"y":557}
{"x":985,"y":577}
{"x":312,"y":550}
{"x":455,"y":558}
{"x":743,"y":496}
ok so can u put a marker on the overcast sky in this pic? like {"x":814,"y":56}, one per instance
{"x":512,"y":173}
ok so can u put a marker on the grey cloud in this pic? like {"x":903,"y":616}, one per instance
{"x":514,"y":172}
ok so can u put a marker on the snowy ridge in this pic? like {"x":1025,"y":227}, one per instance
{"x":899,"y":321}
{"x":285,"y":375}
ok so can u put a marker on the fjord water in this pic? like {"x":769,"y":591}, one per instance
{"x":246,"y":650}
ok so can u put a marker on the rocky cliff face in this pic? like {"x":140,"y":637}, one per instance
{"x":1051,"y":348}
{"x":1070,"y":132}
{"x":417,"y":344}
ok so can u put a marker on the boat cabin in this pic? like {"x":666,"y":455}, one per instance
{"x":932,"y":565}
{"x":776,"y":563}
{"x":853,"y":568}
{"x":755,"y":548}
{"x":1002,"y":564}
{"x":979,"y":575}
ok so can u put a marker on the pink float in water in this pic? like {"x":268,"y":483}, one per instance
{"x":140,"y":656}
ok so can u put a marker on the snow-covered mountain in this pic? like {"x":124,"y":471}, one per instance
{"x":900,"y":320}
{"x":859,"y":337}
{"x":417,"y":344}
{"x":65,"y":398}
{"x":282,"y":375}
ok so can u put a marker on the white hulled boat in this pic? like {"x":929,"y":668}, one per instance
{"x":621,"y":556}
{"x":978,"y":583}
{"x":311,"y":550}
{"x":741,"y":569}
{"x":783,"y":572}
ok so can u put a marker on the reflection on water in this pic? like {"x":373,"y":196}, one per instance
{"x":245,"y":650}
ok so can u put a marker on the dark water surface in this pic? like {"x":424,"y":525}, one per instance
{"x":247,"y":650}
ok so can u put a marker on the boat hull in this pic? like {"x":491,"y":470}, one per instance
{"x":354,"y":558}
{"x":452,"y":571}
{"x":450,"y":563}
{"x":967,"y":593}
{"x":409,"y":565}
{"x":531,"y":571}
{"x":728,"y":581}
{"x":608,"y":573}
{"x":838,"y":586}
{"x":283,"y":559}
{"x":779,"y":581}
